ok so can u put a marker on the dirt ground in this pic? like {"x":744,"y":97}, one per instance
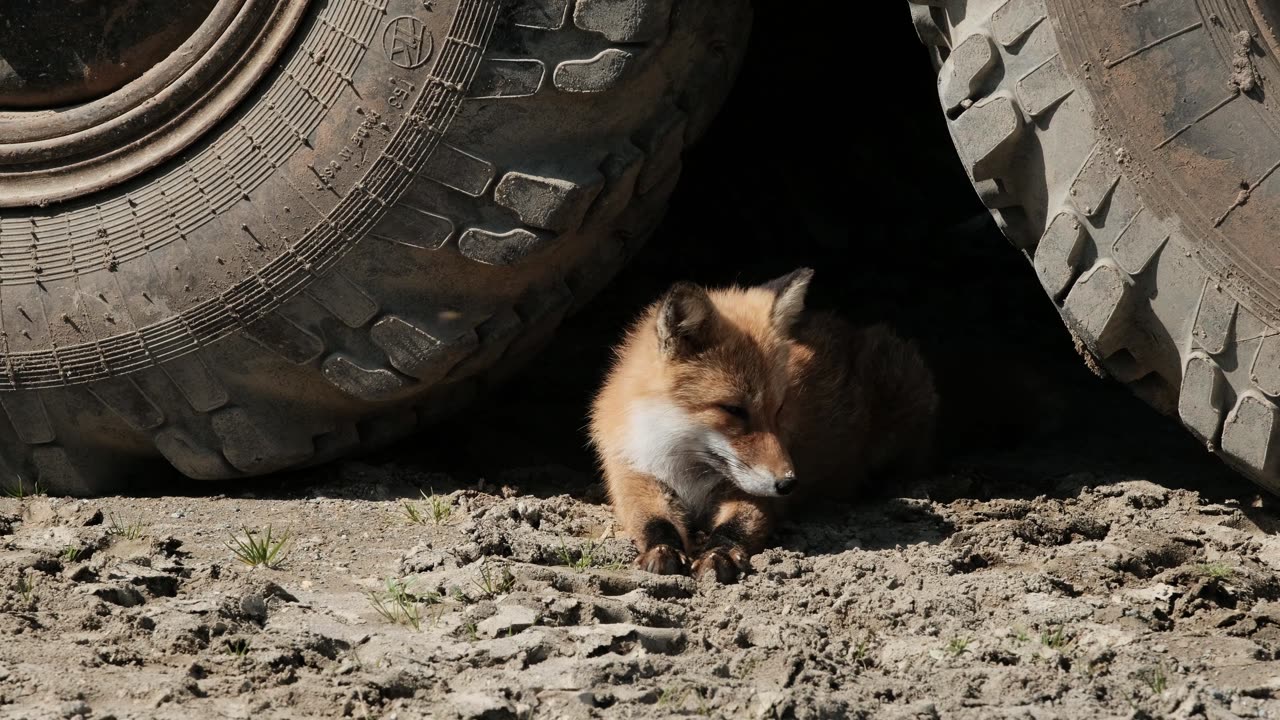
{"x":1075,"y":556}
{"x":1033,"y":583}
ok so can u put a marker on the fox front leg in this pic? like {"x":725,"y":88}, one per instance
{"x":661,"y":548}
{"x":740,"y":529}
{"x":647,"y":514}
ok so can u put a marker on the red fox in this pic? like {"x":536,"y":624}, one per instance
{"x":724,"y":406}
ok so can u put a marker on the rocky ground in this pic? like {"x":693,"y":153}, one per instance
{"x":1019,"y":585}
{"x":1075,"y":556}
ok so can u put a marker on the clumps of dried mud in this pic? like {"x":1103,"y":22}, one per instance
{"x":1098,"y":596}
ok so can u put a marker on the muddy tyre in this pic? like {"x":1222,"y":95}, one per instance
{"x":1129,"y":150}
{"x":318,"y":225}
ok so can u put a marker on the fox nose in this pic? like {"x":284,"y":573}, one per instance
{"x":785,"y":484}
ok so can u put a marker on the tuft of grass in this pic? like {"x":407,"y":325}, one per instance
{"x":127,"y":530}
{"x":1020,"y":634}
{"x":238,"y":647}
{"x":257,"y":548}
{"x":861,"y":652}
{"x":586,"y":558}
{"x":1155,"y":678}
{"x":412,"y":513}
{"x":437,"y":510}
{"x":19,"y":489}
{"x":1055,"y":639}
{"x":494,"y":584}
{"x":400,"y":606}
{"x":26,"y":588}
{"x":958,"y":646}
{"x":441,"y":508}
{"x":70,"y":554}
{"x":1216,"y":571}
{"x":473,"y":632}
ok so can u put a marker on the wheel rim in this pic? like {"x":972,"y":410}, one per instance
{"x":145,"y":116}
{"x":60,"y":54}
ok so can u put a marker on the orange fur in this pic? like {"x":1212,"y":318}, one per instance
{"x":722,"y":401}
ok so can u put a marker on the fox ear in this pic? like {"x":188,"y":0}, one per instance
{"x":788,"y":303}
{"x":685,"y":319}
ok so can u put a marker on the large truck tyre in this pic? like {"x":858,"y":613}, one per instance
{"x":250,"y":235}
{"x":1130,"y":150}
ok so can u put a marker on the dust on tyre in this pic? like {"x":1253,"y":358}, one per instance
{"x":318,"y":225}
{"x":1130,"y":151}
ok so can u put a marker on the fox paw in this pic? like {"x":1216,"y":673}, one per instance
{"x":726,"y":565}
{"x":663,"y":560}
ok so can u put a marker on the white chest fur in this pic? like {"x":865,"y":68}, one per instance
{"x":664,"y":442}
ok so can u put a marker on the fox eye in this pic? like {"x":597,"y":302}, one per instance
{"x":737,"y":411}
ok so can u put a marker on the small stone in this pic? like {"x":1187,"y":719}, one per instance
{"x":137,"y":575}
{"x":478,"y":706}
{"x":509,"y":620}
{"x":767,"y":704}
{"x":75,"y":708}
{"x":254,"y":606}
{"x":765,"y":635}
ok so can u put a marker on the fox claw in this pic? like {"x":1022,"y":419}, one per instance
{"x":663,"y":560}
{"x":726,"y":565}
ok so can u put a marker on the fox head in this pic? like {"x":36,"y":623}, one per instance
{"x":723,"y":357}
